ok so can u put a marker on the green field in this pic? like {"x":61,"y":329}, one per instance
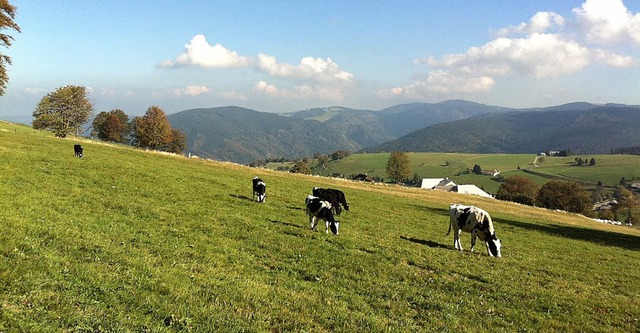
{"x":130,"y":241}
{"x":608,"y":169}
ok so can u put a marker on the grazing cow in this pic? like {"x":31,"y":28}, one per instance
{"x":320,"y":209}
{"x":478,"y":223}
{"x":334,"y":197}
{"x":259,"y":189}
{"x":78,"y":150}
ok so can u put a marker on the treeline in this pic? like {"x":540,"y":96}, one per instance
{"x":68,"y":108}
{"x":570,"y":196}
{"x":322,"y":159}
{"x":152,"y":130}
{"x":633,"y":150}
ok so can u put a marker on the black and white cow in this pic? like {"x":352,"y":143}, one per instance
{"x":333,"y":196}
{"x":476,"y":221}
{"x":321,"y":209}
{"x":259,"y":189}
{"x":78,"y":150}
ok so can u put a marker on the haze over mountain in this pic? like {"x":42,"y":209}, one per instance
{"x":580,"y":127}
{"x":244,"y":135}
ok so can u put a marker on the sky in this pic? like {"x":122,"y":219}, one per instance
{"x":284,"y":56}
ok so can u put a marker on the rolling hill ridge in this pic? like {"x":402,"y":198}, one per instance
{"x":593,"y":130}
{"x":243,"y":135}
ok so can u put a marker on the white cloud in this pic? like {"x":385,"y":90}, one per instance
{"x":191,"y":90}
{"x":606,"y":21}
{"x":613,"y":59}
{"x":539,"y":55}
{"x":542,"y":49}
{"x":314,"y":69}
{"x":540,"y":22}
{"x":32,"y":91}
{"x":200,"y":53}
{"x":233,"y":95}
{"x":442,"y":83}
{"x":302,"y":92}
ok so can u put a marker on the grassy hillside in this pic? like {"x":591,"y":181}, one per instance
{"x":124,"y":240}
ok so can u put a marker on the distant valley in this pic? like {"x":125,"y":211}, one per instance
{"x":243,"y":135}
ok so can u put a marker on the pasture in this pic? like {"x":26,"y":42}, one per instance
{"x":126,"y":240}
{"x":608,"y":169}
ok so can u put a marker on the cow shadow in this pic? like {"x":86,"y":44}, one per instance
{"x":295,"y":208}
{"x":288,"y":224}
{"x":428,"y":243}
{"x":603,"y":237}
{"x":243,"y":197}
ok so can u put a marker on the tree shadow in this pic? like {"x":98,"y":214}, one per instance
{"x":603,"y":237}
{"x":425,"y":242}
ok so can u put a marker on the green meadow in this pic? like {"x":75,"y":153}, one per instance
{"x":608,"y":168}
{"x":125,"y":240}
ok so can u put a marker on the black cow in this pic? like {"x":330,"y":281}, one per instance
{"x":320,"y":209}
{"x":476,"y":221}
{"x":78,"y":150}
{"x":259,"y":189}
{"x":333,"y":196}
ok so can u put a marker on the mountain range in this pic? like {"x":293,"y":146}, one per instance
{"x":243,"y":135}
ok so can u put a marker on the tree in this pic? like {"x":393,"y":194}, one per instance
{"x":565,"y":195}
{"x":63,"y":111}
{"x":477,"y":169}
{"x":301,"y":167}
{"x":518,"y":189}
{"x":178,"y":144}
{"x":339,"y":154}
{"x":398,"y":167}
{"x":152,"y":130}
{"x":623,"y":182}
{"x":592,"y":162}
{"x":599,"y":193}
{"x":626,"y":201}
{"x":111,"y":126}
{"x":7,"y":16}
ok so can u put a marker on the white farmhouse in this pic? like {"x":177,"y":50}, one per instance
{"x":471,"y":189}
{"x":432,"y":183}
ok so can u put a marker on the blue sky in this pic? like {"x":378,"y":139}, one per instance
{"x":280,"y":56}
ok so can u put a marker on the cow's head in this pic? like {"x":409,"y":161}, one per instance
{"x":346,"y":206}
{"x":494,"y":245}
{"x":335,"y":227}
{"x":261,"y":197}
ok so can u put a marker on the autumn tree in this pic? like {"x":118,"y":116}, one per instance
{"x":63,"y":111}
{"x":301,"y":167}
{"x":152,"y":130}
{"x":7,"y":16}
{"x":565,"y":195}
{"x":626,"y":202}
{"x":111,"y":126}
{"x":518,"y":189}
{"x":398,"y":167}
{"x":178,"y":144}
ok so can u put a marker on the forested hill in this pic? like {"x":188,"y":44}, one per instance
{"x":244,"y":135}
{"x":587,"y":129}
